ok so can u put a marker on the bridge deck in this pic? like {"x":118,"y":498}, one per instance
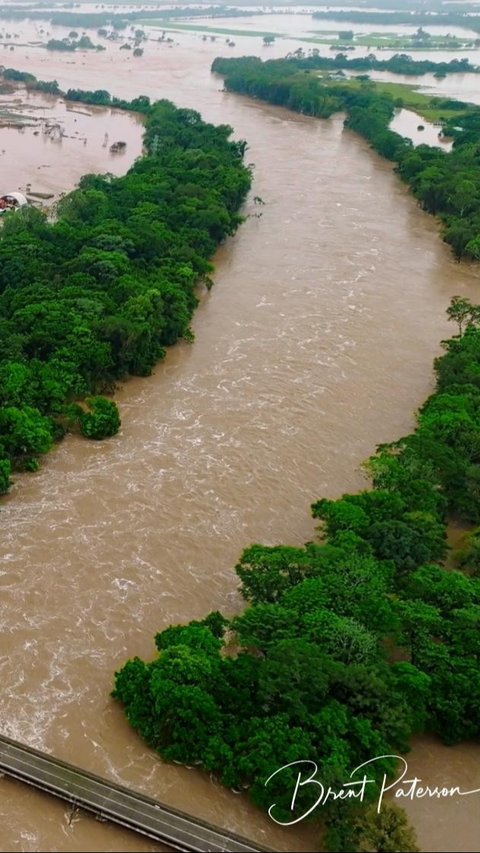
{"x":116,"y":803}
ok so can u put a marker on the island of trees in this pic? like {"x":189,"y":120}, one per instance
{"x":82,"y":43}
{"x":446,"y":184}
{"x":413,"y":19}
{"x":400,"y":63}
{"x":118,"y":20}
{"x":349,"y":645}
{"x":100,"y":292}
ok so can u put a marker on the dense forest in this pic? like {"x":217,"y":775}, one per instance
{"x":100,"y":292}
{"x":412,"y":5}
{"x":400,"y":63}
{"x":350,"y":645}
{"x":446,"y":184}
{"x":82,"y":43}
{"x":98,"y":97}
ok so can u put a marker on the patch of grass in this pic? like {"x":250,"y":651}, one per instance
{"x":391,"y":41}
{"x":419,"y":102}
{"x":200,"y":28}
{"x":386,"y":40}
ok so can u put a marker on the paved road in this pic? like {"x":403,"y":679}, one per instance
{"x":116,"y":803}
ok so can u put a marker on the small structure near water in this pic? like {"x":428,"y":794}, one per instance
{"x":12,"y":201}
{"x":117,"y":147}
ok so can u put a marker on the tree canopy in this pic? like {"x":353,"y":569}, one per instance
{"x":101,"y":291}
{"x":349,"y":645}
{"x":446,"y":184}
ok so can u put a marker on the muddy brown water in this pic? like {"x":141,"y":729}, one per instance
{"x":55,"y":143}
{"x":315,"y":344}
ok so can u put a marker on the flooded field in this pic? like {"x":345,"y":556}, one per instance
{"x":418,"y":129}
{"x":46,"y":145}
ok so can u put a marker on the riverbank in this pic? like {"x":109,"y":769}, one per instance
{"x":47,"y":145}
{"x":121,"y":287}
{"x":444,"y":182}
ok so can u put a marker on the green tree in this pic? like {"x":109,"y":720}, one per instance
{"x":460,"y":311}
{"x":102,"y":421}
{"x":385,"y":832}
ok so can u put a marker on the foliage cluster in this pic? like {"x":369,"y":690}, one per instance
{"x":100,"y":292}
{"x":347,"y":646}
{"x":446,"y":184}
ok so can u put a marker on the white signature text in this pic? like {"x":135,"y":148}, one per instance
{"x":401,"y":787}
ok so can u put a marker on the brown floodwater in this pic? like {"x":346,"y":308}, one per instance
{"x":418,"y":129}
{"x":50,"y":144}
{"x":315,"y":344}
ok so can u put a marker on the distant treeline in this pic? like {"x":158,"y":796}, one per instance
{"x":118,"y":20}
{"x":414,"y":19}
{"x":100,"y":292}
{"x":99,"y":97}
{"x":346,"y":647}
{"x":446,"y":184}
{"x":410,"y":5}
{"x":83,"y":43}
{"x":400,"y":63}
{"x":30,"y":81}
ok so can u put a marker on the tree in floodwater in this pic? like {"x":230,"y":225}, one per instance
{"x":102,"y":421}
{"x":348,"y":646}
{"x":461,"y":311}
{"x":373,"y":832}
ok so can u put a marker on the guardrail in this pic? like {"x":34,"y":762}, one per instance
{"x":113,"y":802}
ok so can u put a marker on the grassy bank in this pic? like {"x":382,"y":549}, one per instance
{"x":221,"y":31}
{"x":391,"y":41}
{"x":423,"y":104}
{"x":387,"y":41}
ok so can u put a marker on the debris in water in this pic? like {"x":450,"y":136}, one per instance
{"x":40,"y":195}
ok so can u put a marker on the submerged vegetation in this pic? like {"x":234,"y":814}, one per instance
{"x":446,"y":184}
{"x":117,"y":19}
{"x":82,"y":43}
{"x":412,"y":18}
{"x":400,"y":63}
{"x":348,"y":646}
{"x":422,"y":40}
{"x":100,"y":292}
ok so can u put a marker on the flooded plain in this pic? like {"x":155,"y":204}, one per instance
{"x":46,"y":145}
{"x":419,"y":130}
{"x":315,"y":344}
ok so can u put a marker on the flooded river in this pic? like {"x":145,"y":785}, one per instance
{"x":315,"y":344}
{"x":47,"y":144}
{"x":418,"y":129}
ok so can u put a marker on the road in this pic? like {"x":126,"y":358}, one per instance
{"x":110,"y":801}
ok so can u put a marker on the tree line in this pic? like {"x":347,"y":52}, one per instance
{"x":66,"y":44}
{"x":412,"y":5}
{"x":97,"y":97}
{"x":118,"y":20}
{"x":347,"y":646}
{"x":414,"y":19}
{"x":400,"y":63}
{"x":101,"y":291}
{"x":446,"y":184}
